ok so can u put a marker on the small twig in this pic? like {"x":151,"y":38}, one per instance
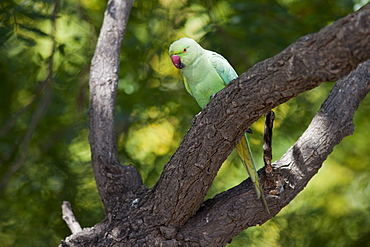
{"x":70,"y":218}
{"x":267,"y":146}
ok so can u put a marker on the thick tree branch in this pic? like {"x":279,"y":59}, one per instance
{"x":113,"y":180}
{"x":297,"y":166}
{"x":324,"y":56}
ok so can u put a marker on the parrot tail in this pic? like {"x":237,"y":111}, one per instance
{"x":245,"y":155}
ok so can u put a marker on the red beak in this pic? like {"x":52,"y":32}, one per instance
{"x":177,"y":62}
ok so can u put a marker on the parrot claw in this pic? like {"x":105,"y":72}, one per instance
{"x":195,"y":118}
{"x":249,"y":131}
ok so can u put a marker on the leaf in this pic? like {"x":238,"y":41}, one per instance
{"x":34,"y":30}
{"x":26,"y":40}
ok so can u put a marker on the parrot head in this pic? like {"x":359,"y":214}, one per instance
{"x":184,"y":52}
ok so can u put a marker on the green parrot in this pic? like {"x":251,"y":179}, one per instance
{"x":205,"y":73}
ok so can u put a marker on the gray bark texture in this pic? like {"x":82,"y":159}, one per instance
{"x":173,"y":212}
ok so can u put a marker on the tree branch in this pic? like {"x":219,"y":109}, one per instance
{"x":113,"y":180}
{"x":324,"y":56}
{"x":267,"y":146}
{"x":70,"y":218}
{"x":297,"y":166}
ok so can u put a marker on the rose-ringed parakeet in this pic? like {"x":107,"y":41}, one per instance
{"x":205,"y":73}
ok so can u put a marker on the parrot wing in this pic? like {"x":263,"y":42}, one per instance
{"x":223,"y":68}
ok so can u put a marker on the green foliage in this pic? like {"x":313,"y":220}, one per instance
{"x":46,"y":49}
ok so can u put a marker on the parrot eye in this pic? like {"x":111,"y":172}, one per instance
{"x":183,"y":51}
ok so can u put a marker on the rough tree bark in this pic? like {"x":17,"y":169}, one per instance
{"x":172,"y":213}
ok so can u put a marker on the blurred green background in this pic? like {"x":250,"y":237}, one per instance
{"x":45,"y":51}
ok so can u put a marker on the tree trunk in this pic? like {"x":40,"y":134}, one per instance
{"x":173,"y":213}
